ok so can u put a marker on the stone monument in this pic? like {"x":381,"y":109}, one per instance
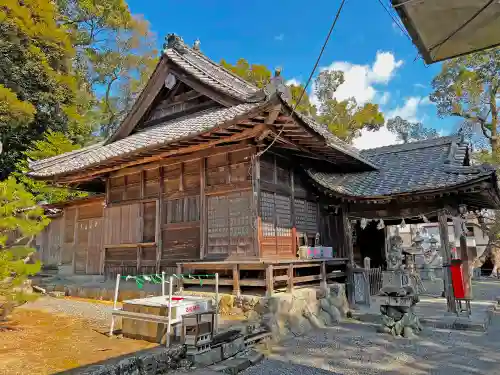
{"x":398,"y":295}
{"x":433,"y":266}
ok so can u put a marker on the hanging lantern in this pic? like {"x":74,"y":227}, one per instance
{"x":380,"y":224}
{"x":363,"y":223}
{"x":403,"y":223}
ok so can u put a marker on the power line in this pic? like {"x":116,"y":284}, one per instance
{"x":394,"y":20}
{"x":339,"y":10}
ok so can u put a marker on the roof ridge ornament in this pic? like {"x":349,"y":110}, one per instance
{"x":174,"y":41}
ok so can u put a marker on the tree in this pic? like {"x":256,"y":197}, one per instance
{"x":54,"y":143}
{"x":259,"y":76}
{"x":115,"y":55}
{"x":410,"y":131}
{"x":344,"y":118}
{"x":20,"y":220}
{"x":38,"y":90}
{"x":468,"y":87}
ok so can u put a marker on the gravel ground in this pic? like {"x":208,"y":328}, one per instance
{"x":356,"y":348}
{"x":98,"y":313}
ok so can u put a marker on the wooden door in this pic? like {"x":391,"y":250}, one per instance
{"x":81,"y":246}
{"x":95,"y":246}
{"x":54,"y":242}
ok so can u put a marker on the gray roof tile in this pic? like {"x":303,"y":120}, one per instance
{"x":210,"y":73}
{"x":150,"y":138}
{"x":407,"y":168}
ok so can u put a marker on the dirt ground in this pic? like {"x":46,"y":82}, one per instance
{"x":40,"y":342}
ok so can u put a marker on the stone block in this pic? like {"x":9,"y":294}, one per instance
{"x":235,"y":365}
{"x":254,"y":357}
{"x":148,"y":365}
{"x":231,"y":348}
{"x":129,"y":366}
{"x":208,"y":358}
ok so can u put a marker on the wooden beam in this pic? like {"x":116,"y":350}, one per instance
{"x":142,"y":104}
{"x":162,"y":155}
{"x":225,"y":100}
{"x":269,"y":280}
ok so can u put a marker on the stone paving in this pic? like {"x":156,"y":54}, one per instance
{"x":355,"y":348}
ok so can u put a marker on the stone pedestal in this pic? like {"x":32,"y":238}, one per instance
{"x":397,"y":304}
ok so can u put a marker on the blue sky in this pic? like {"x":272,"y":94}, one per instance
{"x":380,"y":63}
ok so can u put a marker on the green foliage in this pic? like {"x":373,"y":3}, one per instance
{"x":256,"y":74}
{"x":115,"y":53}
{"x":20,"y":221}
{"x":410,"y":131}
{"x":469,"y":87}
{"x":38,"y":91}
{"x":54,"y":143}
{"x":344,"y":118}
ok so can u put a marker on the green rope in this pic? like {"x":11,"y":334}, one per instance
{"x":157,"y":279}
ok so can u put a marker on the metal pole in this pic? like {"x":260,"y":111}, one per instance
{"x":163,"y":283}
{"x":216,"y":303}
{"x":115,"y":300}
{"x":169,"y":326}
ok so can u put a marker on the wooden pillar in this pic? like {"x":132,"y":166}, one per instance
{"x":269,"y":280}
{"x":464,"y":255}
{"x":349,"y":254}
{"x":180,"y":283}
{"x":160,"y":217}
{"x":446,"y":253}
{"x":256,"y":203}
{"x":236,"y":280}
{"x":324,"y":282}
{"x":295,"y":246}
{"x":290,"y":278}
{"x":203,"y":209}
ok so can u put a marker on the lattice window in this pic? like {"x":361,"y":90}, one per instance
{"x":268,"y":207}
{"x":306,"y":216}
{"x":283,"y":215}
{"x":193,"y":208}
{"x":175,"y":211}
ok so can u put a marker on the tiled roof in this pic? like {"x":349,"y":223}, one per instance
{"x":414,"y":167}
{"x":210,"y":73}
{"x":150,"y":138}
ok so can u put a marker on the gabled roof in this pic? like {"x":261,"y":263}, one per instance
{"x":407,"y":168}
{"x":208,"y":72}
{"x":202,"y":69}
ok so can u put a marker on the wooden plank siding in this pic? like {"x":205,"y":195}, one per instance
{"x":288,"y":211}
{"x":162,"y":206}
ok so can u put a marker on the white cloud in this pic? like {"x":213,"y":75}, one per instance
{"x":420,"y":86}
{"x":384,"y":98}
{"x":279,"y":37}
{"x":384,"y":67}
{"x":409,"y":109}
{"x":382,"y":137}
{"x":360,"y":79}
{"x":293,"y":81}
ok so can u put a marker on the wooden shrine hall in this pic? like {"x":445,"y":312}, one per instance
{"x":209,"y":173}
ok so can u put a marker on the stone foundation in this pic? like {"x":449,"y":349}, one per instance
{"x":302,"y":310}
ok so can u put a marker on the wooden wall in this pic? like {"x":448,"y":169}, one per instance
{"x":289,"y":210}
{"x":154,"y":212}
{"x":75,"y":238}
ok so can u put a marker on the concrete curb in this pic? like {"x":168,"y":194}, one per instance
{"x":238,"y":363}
